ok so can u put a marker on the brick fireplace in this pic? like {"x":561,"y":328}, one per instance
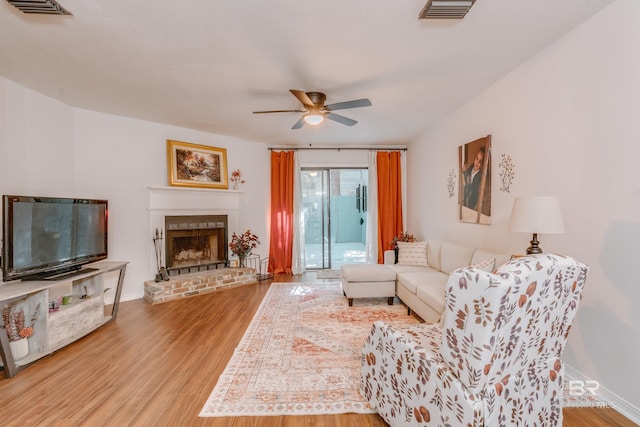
{"x":183,"y":211}
{"x":197,"y":222}
{"x":194,"y":242}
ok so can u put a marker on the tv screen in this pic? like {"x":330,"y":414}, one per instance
{"x":46,"y":236}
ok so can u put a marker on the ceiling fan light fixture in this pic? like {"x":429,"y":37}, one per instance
{"x":315,"y":110}
{"x":313,"y":118}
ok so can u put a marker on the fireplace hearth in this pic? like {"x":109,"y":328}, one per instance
{"x":195,"y":243}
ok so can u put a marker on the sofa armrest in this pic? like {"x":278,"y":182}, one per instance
{"x":406,"y":381}
{"x":390,"y":257}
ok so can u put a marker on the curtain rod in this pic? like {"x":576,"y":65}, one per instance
{"x":337,"y":148}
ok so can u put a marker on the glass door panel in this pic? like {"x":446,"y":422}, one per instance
{"x":334,"y":209}
{"x":315,"y":212}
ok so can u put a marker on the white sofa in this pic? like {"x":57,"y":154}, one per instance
{"x":422,"y":287}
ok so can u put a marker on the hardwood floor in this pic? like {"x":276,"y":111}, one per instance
{"x":157,"y":364}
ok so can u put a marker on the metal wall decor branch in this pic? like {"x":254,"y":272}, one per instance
{"x":506,"y":172}
{"x":451,"y":183}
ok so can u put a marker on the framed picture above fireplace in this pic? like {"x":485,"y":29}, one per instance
{"x":193,"y":165}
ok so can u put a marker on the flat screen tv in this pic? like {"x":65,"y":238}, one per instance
{"x":44,"y":237}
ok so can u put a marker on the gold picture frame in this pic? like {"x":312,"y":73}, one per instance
{"x":194,"y":165}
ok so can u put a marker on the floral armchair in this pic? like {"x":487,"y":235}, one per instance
{"x":496,"y":359}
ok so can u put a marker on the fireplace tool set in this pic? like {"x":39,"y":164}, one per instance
{"x":162,"y":274}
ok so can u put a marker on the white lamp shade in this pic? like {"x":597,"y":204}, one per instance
{"x":313,"y":118}
{"x":537,"y":215}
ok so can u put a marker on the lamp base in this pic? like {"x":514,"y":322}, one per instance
{"x":534,"y":248}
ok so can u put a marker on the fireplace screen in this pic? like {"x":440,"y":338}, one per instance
{"x":194,"y":241}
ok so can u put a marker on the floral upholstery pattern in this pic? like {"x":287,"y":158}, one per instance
{"x":495,"y":360}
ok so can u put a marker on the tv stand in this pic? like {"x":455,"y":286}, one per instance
{"x":70,"y":274}
{"x":59,"y":275}
{"x":53,"y":330}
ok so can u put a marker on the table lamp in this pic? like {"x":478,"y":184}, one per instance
{"x":536,"y":215}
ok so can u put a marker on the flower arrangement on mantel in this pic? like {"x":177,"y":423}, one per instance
{"x":236,"y":178}
{"x":242,"y":244}
{"x":14,"y":323}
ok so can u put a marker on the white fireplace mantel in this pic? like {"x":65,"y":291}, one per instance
{"x":169,"y":198}
{"x":164,"y":201}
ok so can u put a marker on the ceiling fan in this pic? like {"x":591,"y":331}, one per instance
{"x":315,"y":111}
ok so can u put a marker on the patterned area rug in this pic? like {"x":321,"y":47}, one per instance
{"x":329,"y":274}
{"x":301,"y":353}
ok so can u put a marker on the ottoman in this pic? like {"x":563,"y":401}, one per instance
{"x":368,"y":281}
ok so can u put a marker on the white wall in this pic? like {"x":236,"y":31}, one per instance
{"x":570,"y":120}
{"x":49,"y":148}
{"x":333,"y":158}
{"x":35,"y":141}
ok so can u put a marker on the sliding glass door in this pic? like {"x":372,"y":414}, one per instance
{"x":334,"y":204}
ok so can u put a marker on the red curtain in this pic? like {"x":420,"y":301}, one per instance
{"x":389,"y":200}
{"x":281,"y":244}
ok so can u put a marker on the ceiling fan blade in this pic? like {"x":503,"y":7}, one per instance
{"x":298,"y":124}
{"x":349,"y":104}
{"x":279,"y":111}
{"x":341,"y":119}
{"x":302,"y":97}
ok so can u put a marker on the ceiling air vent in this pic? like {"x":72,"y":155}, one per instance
{"x":446,"y":9}
{"x":47,"y":7}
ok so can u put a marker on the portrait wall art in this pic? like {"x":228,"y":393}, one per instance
{"x":474,"y":195}
{"x":193,"y":165}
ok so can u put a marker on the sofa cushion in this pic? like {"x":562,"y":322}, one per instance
{"x":486,"y":265}
{"x":425,"y":279}
{"x":454,"y":256}
{"x":412,"y":253}
{"x":389,"y":257}
{"x":401,"y":269}
{"x":482,"y":254}
{"x":433,"y":295}
{"x":367,"y":273}
{"x":433,"y":253}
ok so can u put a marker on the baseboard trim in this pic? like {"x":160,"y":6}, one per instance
{"x":606,"y":395}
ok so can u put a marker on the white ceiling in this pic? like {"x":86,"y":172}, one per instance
{"x":207,"y":64}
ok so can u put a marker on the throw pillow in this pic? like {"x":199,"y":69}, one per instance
{"x":412,"y":253}
{"x":486,"y":265}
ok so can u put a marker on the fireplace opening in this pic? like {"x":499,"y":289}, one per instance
{"x":195,"y":242}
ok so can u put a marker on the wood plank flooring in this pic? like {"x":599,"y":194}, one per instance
{"x":156,"y":366}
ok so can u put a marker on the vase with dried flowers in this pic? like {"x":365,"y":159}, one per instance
{"x":242,"y":244}
{"x":402,"y":237}
{"x":17,"y":330}
{"x":236,"y":178}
